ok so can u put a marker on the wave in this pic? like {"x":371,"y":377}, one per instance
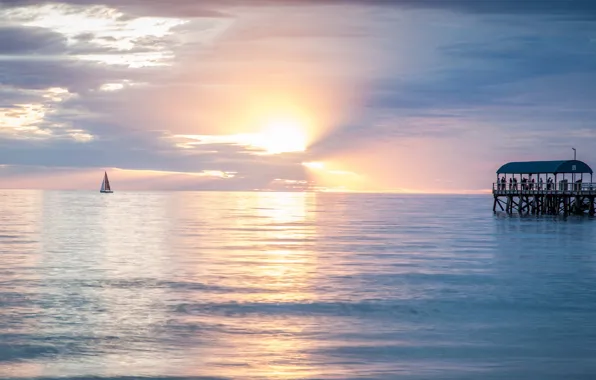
{"x":334,"y":309}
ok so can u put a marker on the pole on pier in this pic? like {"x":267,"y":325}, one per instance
{"x":574,"y":157}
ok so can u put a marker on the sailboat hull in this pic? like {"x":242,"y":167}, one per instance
{"x":106,"y":191}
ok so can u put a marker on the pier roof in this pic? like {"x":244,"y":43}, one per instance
{"x":545,"y":167}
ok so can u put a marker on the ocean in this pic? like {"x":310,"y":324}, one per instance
{"x":291,"y":286}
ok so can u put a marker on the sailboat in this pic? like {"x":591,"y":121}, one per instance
{"x":105,"y":185}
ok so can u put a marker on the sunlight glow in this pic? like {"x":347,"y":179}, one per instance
{"x":332,"y":177}
{"x":281,"y":137}
{"x":314,"y":165}
{"x":278,"y":137}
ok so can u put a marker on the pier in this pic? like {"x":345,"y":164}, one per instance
{"x":544,"y":188}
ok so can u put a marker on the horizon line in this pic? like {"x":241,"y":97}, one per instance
{"x":462,"y":192}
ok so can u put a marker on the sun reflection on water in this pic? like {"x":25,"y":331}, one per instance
{"x":258,"y":241}
{"x":271,"y":268}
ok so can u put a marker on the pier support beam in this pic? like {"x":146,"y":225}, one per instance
{"x":546,"y":201}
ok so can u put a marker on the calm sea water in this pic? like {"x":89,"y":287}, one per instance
{"x":291,"y":285}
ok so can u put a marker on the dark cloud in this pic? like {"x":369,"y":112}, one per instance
{"x":585,"y":9}
{"x":10,"y":97}
{"x":166,"y":8}
{"x":75,"y":75}
{"x":27,"y":40}
{"x":536,"y":55}
{"x":495,"y":73}
{"x":576,"y":8}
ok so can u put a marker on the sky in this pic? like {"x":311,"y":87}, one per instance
{"x":329,"y":95}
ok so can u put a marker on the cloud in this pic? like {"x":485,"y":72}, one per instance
{"x":67,"y":73}
{"x":575,"y":8}
{"x":211,"y":8}
{"x":98,"y":33}
{"x":28,"y":40}
{"x":36,"y":114}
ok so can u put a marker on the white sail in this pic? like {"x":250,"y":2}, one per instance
{"x":103,"y":185}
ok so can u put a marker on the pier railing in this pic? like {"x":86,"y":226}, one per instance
{"x":561,"y":187}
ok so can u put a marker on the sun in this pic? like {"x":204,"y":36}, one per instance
{"x":282,"y":137}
